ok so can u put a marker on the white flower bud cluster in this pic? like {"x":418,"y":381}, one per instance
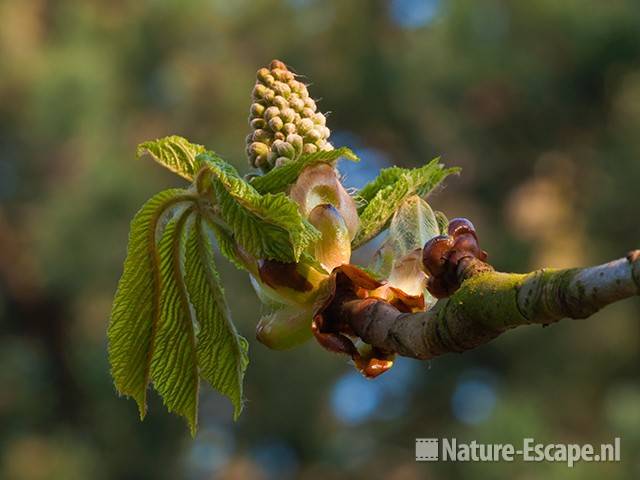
{"x":283,"y":120}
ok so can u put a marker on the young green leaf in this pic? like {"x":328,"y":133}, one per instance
{"x":227,"y":246}
{"x":174,"y":362}
{"x":399,"y":258}
{"x":174,"y":153}
{"x":278,"y":179}
{"x":136,"y":308}
{"x":221,"y":351}
{"x":266,"y":226}
{"x":383,"y":196}
{"x":413,"y":225}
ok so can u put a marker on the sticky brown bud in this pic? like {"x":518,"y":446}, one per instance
{"x":442,"y":255}
{"x":459,"y":226}
{"x":435,"y":254}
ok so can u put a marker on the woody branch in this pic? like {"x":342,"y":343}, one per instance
{"x":488,"y":303}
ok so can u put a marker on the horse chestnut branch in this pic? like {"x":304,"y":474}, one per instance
{"x":488,"y":303}
{"x":371,"y":320}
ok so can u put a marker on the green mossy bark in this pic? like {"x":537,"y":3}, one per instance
{"x":488,"y":303}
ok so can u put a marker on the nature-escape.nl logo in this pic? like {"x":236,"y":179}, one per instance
{"x":450,"y":450}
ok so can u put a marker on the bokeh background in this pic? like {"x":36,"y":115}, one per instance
{"x":537,"y":101}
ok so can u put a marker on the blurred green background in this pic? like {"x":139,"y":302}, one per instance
{"x":538,"y":101}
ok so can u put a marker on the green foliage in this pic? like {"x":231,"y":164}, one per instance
{"x":174,"y":365}
{"x":413,"y":225}
{"x":227,"y":245}
{"x":170,"y":323}
{"x":278,"y":179}
{"x":443,"y":222}
{"x":174,"y":153}
{"x":382,"y":197}
{"x":221,"y":352}
{"x":266,"y":226}
{"x":136,"y":308}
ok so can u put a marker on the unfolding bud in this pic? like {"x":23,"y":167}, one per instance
{"x":287,"y":283}
{"x":334,"y":247}
{"x":282,"y":107}
{"x":319,"y":184}
{"x":285,"y":328}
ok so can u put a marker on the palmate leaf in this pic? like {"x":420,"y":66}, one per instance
{"x":227,"y":245}
{"x":170,"y":323}
{"x":222,"y":353}
{"x":136,"y":307}
{"x":174,"y":365}
{"x":266,"y":226}
{"x":382,"y":197}
{"x":278,"y":179}
{"x":174,"y":153}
